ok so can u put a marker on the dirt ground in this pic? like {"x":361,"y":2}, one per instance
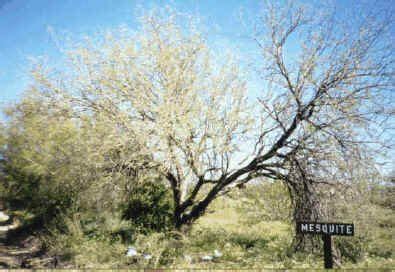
{"x":18,"y":250}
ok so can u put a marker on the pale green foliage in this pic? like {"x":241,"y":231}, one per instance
{"x":52,"y":160}
{"x":38,"y":168}
{"x":163,"y":91}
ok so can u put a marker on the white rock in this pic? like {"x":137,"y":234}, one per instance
{"x":147,"y":257}
{"x":131,"y":252}
{"x":3,"y":217}
{"x":217,"y":253}
{"x":207,"y":258}
{"x":188,"y":258}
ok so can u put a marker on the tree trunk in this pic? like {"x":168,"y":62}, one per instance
{"x":305,"y":204}
{"x":183,"y":218}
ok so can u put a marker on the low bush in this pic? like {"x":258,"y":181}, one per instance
{"x":149,"y":207}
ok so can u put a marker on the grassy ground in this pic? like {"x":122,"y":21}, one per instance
{"x":223,"y":231}
{"x":267,"y":243}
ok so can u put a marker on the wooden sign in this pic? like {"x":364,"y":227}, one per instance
{"x":326,"y":230}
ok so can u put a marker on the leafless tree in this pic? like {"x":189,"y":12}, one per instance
{"x":332,"y":87}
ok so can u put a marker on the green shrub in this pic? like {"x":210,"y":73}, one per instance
{"x":37,"y":194}
{"x":149,"y":206}
{"x":39,"y":172}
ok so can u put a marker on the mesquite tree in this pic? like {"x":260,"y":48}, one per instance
{"x":332,"y":85}
{"x":185,"y":110}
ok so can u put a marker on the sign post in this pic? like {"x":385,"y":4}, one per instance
{"x":328,"y":259}
{"x":326,"y":230}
